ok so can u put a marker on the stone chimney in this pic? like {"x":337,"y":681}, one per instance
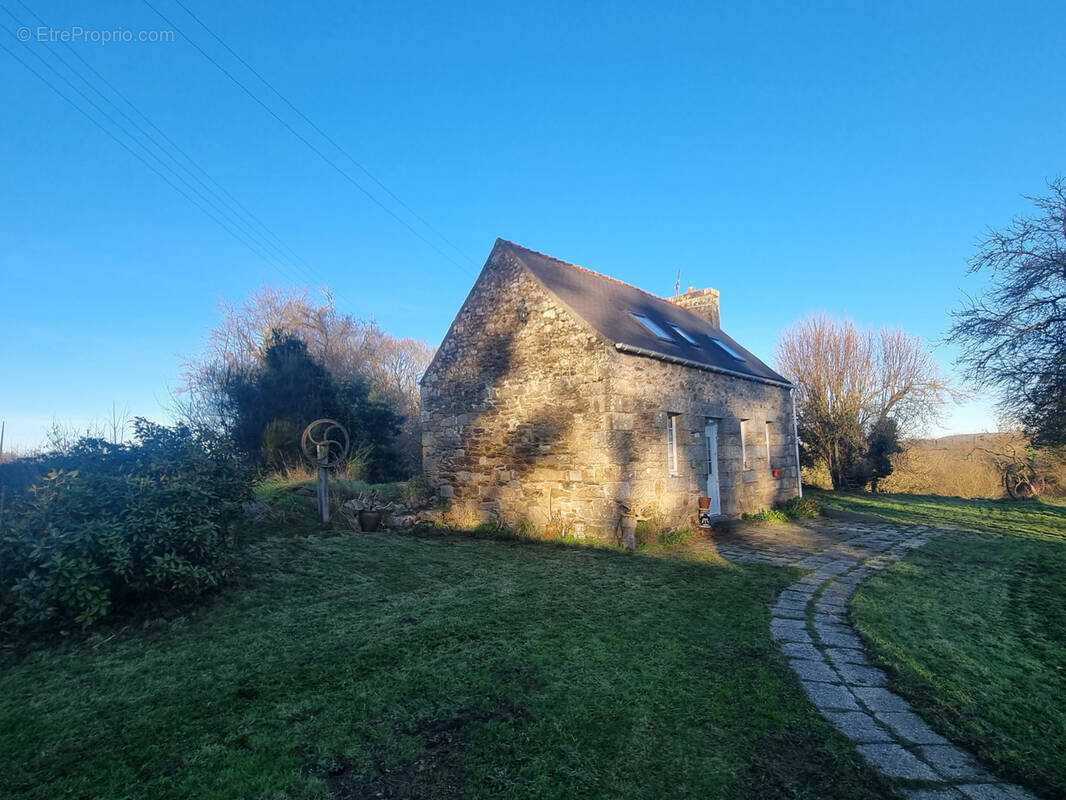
{"x":704,"y":303}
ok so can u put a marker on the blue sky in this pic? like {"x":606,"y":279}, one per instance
{"x":838,"y":157}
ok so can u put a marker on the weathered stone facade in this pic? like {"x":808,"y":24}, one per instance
{"x":530,"y":414}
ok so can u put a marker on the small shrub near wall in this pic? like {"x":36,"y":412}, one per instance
{"x":793,"y":509}
{"x":146,"y":521}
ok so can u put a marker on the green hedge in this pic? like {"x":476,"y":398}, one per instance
{"x":116,"y":525}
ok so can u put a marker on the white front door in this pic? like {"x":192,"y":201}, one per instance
{"x":711,"y":434}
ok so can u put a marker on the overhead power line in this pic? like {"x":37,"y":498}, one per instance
{"x":321,"y":132}
{"x":216,"y":195}
{"x":317,"y":151}
{"x":219,"y":221}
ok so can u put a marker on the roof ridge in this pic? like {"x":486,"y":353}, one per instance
{"x":583,"y":269}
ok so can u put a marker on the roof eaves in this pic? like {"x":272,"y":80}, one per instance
{"x":622,"y":347}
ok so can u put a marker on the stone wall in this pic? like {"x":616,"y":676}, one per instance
{"x":530,"y":415}
{"x":647,"y":391}
{"x":511,"y":406}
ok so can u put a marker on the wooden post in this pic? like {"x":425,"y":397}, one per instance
{"x":323,"y":485}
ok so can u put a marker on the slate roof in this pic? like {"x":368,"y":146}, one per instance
{"x":608,"y":306}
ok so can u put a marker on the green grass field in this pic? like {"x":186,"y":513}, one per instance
{"x":973,"y":628}
{"x":352,"y":666}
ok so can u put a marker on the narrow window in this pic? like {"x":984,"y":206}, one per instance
{"x":671,"y":443}
{"x":769,"y":435}
{"x":744,"y":443}
{"x":652,"y":326}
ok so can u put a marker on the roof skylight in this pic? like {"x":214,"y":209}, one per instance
{"x":684,"y":334}
{"x":652,"y":326}
{"x":729,"y":350}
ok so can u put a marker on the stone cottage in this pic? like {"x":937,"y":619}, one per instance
{"x":563,"y":398}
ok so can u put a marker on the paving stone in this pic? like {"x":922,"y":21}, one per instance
{"x":830,"y":696}
{"x":798,"y":650}
{"x":933,"y":794}
{"x":825,"y":627}
{"x":846,"y":655}
{"x":859,"y":675}
{"x":789,"y":613}
{"x":834,"y":639}
{"x":832,"y":598}
{"x":877,"y":699}
{"x":842,"y":591}
{"x":857,"y":726}
{"x":814,"y":671}
{"x":853,"y":578}
{"x":995,"y":791}
{"x":894,"y":761}
{"x":837,"y":567}
{"x":951,"y":761}
{"x":794,"y":596}
{"x":831,"y":604}
{"x":911,"y":727}
{"x":782,"y":623}
{"x":831,"y":615}
{"x":790,"y":634}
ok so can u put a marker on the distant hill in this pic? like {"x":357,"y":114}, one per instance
{"x":972,"y":465}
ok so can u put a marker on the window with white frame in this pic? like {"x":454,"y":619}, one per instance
{"x":769,"y":437}
{"x":671,"y":443}
{"x":744,"y":444}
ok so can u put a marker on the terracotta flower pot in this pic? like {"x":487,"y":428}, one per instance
{"x":369,"y":520}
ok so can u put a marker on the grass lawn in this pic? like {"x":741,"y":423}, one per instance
{"x":366,"y":665}
{"x":973,"y":627}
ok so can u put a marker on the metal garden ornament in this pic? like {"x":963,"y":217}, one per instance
{"x":325,"y":444}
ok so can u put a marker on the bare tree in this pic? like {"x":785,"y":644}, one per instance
{"x":850,"y":382}
{"x":351,"y":349}
{"x":1013,"y":335}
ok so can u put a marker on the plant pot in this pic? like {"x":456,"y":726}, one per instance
{"x":369,"y":521}
{"x":629,"y":533}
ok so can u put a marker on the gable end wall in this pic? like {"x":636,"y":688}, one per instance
{"x":514,"y":406}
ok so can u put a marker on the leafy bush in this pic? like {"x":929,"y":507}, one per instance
{"x":792,"y":509}
{"x":800,"y":508}
{"x":418,"y":493}
{"x":128,"y":523}
{"x":646,"y":535}
{"x":766,"y":515}
{"x":269,"y":406}
{"x":675,"y":538}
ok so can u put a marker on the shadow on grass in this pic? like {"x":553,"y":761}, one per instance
{"x":1026,"y":517}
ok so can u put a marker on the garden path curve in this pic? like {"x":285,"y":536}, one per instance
{"x":810,"y":624}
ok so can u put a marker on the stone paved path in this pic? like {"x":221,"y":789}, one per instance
{"x":810,"y":624}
